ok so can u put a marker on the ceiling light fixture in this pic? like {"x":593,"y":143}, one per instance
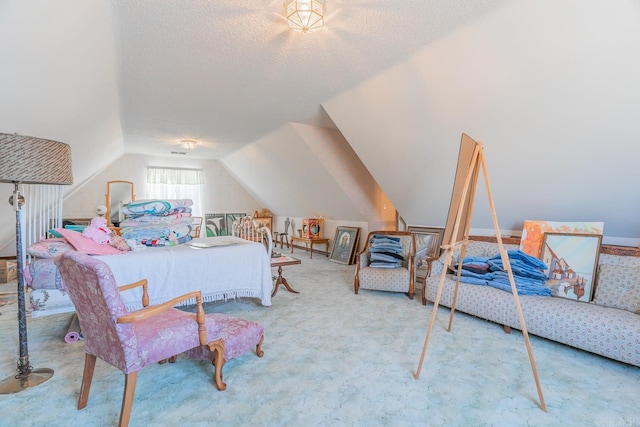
{"x":188,"y":144}
{"x":304,"y":16}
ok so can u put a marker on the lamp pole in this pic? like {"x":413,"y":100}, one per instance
{"x":26,"y":376}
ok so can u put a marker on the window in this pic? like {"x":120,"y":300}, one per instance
{"x":166,"y":183}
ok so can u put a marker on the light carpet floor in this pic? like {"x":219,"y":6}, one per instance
{"x":333,"y":358}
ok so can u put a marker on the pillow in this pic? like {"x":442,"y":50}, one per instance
{"x":49,"y":248}
{"x":87,"y":246}
{"x":618,"y":287}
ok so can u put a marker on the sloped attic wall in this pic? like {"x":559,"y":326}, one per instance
{"x":551,"y":88}
{"x":305,"y":171}
{"x":59,"y":83}
{"x":223,"y":194}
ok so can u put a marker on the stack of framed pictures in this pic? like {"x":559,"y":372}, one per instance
{"x":428,"y":242}
{"x":219,"y":224}
{"x":570,"y":251}
{"x":345,"y":245}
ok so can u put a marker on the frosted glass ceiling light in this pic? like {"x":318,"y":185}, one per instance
{"x":304,"y":16}
{"x":188,"y":144}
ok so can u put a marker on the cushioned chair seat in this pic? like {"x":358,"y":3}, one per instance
{"x":236,"y":337}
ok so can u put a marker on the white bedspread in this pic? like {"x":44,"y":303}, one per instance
{"x":240,"y":269}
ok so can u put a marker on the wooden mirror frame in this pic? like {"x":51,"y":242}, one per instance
{"x":118,"y":190}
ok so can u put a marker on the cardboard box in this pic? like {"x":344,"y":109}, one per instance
{"x":312,"y":228}
{"x":8,"y":271}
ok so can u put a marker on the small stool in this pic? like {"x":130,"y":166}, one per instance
{"x":283,"y":237}
{"x":236,"y":337}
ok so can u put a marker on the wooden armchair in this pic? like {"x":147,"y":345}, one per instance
{"x":396,"y":276}
{"x":132,"y":340}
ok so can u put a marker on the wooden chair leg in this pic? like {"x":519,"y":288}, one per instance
{"x":259,"y":351}
{"x":217,"y":349}
{"x":130,"y":380}
{"x":87,"y":376}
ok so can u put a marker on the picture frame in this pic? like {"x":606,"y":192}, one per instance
{"x":215,"y":224}
{"x":345,"y":244}
{"x":428,"y":242}
{"x":533,"y":232}
{"x":229,"y":219}
{"x":572,"y":261}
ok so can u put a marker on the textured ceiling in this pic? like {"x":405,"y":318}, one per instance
{"x":228,"y":72}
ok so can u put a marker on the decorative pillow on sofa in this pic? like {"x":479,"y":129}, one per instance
{"x":618,"y":287}
{"x":49,"y":248}
{"x":85,"y":245}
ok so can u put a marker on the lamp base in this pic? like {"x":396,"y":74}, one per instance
{"x":20,"y":382}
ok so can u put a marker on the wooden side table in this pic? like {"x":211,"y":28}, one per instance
{"x":281,"y":262}
{"x":310,"y":242}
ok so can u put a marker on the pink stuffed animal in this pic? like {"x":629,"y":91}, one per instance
{"x":98,"y":231}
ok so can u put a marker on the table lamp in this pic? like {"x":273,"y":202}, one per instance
{"x":29,"y":160}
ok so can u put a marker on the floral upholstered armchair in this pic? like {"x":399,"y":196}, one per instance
{"x":387,"y":263}
{"x":130,"y":341}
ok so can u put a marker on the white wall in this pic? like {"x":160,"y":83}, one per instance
{"x":223,"y":193}
{"x":59,"y":82}
{"x":550,"y":87}
{"x":305,"y":171}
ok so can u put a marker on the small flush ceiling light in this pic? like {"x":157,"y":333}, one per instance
{"x":188,"y":144}
{"x":304,"y":16}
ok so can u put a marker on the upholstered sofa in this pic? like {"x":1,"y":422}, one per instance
{"x":609,"y":325}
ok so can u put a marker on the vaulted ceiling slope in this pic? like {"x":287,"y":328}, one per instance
{"x":550,"y":87}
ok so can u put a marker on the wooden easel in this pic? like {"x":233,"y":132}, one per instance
{"x":457,"y":236}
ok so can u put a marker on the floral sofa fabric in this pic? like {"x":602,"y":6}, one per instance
{"x":608,"y":326}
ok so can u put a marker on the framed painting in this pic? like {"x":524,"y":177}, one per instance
{"x":572,"y":260}
{"x":534,"y":231}
{"x":345,"y":244}
{"x":215,"y":224}
{"x":229,"y":218}
{"x":428,"y":242}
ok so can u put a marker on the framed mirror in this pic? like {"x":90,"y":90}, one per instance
{"x":119,"y":193}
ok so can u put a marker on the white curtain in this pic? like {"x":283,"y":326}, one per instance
{"x":166,"y":183}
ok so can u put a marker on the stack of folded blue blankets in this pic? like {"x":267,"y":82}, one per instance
{"x":385,"y":251}
{"x":527,"y":272}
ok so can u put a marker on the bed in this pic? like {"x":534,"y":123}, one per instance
{"x":221,"y":268}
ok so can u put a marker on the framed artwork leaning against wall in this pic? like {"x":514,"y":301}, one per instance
{"x":345,"y":245}
{"x":428,"y":242}
{"x":572,"y":260}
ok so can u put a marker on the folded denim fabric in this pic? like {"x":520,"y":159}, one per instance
{"x":476,"y":267}
{"x":382,"y":237}
{"x":469,"y":273}
{"x":520,"y":258}
{"x":380,"y":264}
{"x":386,"y":247}
{"x":375,"y":256}
{"x":474,"y":280}
{"x":385,"y":243}
{"x":527,"y":273}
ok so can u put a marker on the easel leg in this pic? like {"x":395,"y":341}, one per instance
{"x":434,"y":311}
{"x":463,"y":251}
